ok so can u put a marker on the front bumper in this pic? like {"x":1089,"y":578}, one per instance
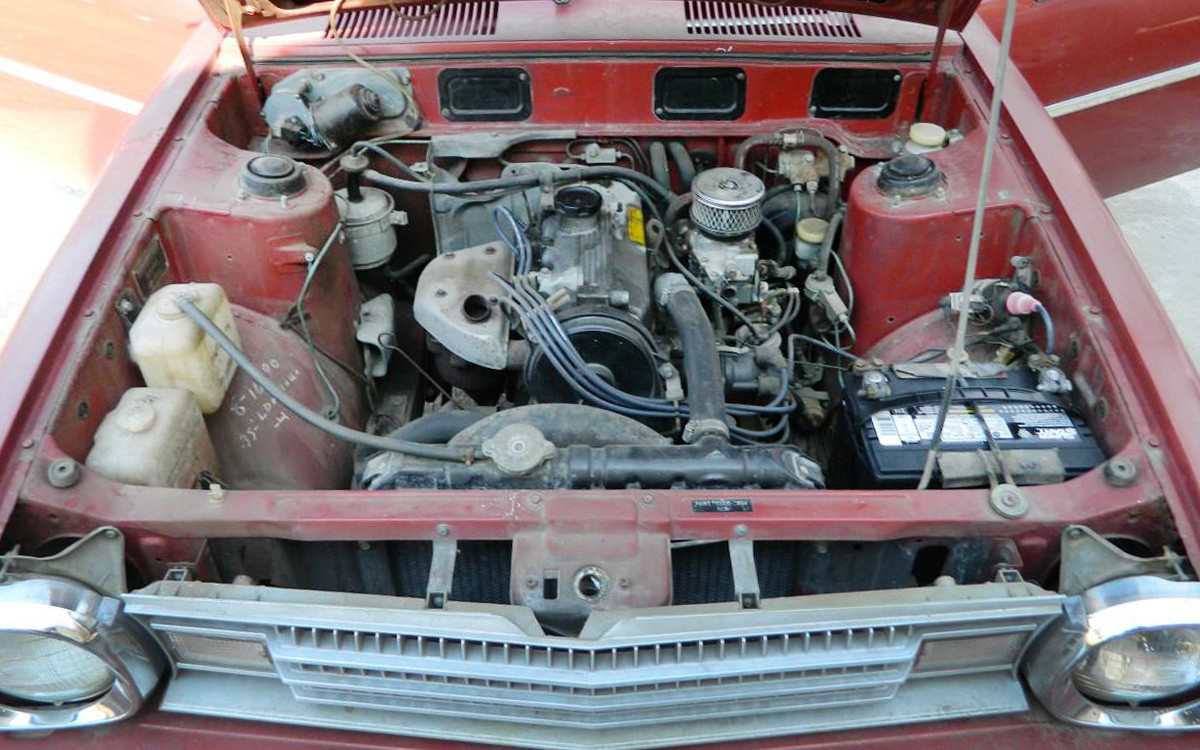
{"x":633,"y":678}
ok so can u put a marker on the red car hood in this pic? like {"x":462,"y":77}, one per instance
{"x":954,"y":13}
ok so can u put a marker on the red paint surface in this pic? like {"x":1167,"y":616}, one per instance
{"x":1153,"y":391}
{"x":1070,"y":48}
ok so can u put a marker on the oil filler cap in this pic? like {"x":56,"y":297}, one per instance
{"x":910,"y":175}
{"x":578,"y":200}
{"x":272,"y":175}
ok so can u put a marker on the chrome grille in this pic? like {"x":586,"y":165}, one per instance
{"x":480,"y":672}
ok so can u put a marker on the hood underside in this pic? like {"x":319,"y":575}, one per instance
{"x":953,"y":13}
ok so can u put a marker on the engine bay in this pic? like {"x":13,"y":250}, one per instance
{"x":687,"y":326}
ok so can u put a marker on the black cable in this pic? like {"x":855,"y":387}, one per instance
{"x":781,"y":253}
{"x":1049,"y":323}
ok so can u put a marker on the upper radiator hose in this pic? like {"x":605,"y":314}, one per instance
{"x":701,"y":361}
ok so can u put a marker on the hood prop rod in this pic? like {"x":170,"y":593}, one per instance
{"x":958,"y":353}
{"x":930,"y":86}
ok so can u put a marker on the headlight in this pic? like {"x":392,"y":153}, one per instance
{"x":1124,"y":643}
{"x":69,"y":656}
{"x":1152,"y":665}
{"x":39,"y":669}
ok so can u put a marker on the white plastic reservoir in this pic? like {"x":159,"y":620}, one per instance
{"x":155,"y":437}
{"x":172,"y":351}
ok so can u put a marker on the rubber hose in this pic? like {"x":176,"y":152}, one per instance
{"x":701,"y":360}
{"x":827,"y":245}
{"x":438,"y":427}
{"x":659,"y":168}
{"x":677,"y":207}
{"x":575,"y":174}
{"x":783,"y":251}
{"x":808,"y":137}
{"x":745,"y":147}
{"x":433,"y":452}
{"x":683,"y":162}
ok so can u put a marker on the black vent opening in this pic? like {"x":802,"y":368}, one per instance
{"x":724,"y":18}
{"x":450,"y":19}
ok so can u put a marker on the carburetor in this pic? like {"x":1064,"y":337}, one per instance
{"x":726,"y":210}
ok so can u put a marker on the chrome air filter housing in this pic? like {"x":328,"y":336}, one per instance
{"x":727,"y":202}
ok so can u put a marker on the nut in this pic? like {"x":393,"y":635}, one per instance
{"x":64,"y":473}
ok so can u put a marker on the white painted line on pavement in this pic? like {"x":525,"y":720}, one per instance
{"x":69,"y":87}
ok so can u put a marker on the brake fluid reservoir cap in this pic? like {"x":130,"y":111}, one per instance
{"x":909,"y":175}
{"x":812,"y":230}
{"x":927,"y":134}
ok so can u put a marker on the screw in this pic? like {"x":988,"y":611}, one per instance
{"x":535,"y":500}
{"x":740,"y":530}
{"x":531,"y":582}
{"x":443,"y":529}
{"x":27,"y":443}
{"x":110,"y":533}
{"x":647,"y":499}
{"x":1153,"y":442}
{"x":440,"y":292}
{"x":624,"y":583}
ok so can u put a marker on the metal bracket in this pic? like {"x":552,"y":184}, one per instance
{"x":488,"y":145}
{"x":441,"y":573}
{"x":745,"y":574}
{"x":97,"y":560}
{"x":1089,"y":559}
{"x":179,"y":573}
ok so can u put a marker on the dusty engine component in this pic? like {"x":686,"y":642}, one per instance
{"x":709,"y":463}
{"x":262,"y":445}
{"x":726,"y":209}
{"x":331,"y":108}
{"x":595,"y":248}
{"x":456,"y":304}
{"x":616,"y":348}
{"x":154,"y":437}
{"x":368,"y":216}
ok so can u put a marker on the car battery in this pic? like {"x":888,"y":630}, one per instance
{"x":890,"y":435}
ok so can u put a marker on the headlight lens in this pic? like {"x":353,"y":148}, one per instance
{"x":1146,"y":666}
{"x":41,"y":669}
